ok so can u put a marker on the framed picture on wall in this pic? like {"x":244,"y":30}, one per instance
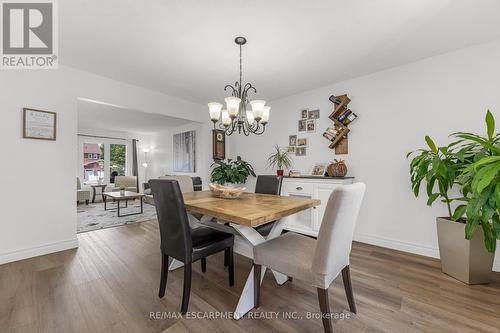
{"x":185,"y":152}
{"x":311,"y":125}
{"x":313,"y":114}
{"x":302,"y":125}
{"x":40,"y":125}
{"x":218,"y":144}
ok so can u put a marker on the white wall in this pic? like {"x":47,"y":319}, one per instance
{"x":38,"y":177}
{"x":162,"y":152}
{"x":396,"y":109}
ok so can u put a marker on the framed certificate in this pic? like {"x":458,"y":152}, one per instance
{"x":38,"y":124}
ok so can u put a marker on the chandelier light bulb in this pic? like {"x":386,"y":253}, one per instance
{"x":265,"y":114}
{"x":215,"y":110}
{"x":250,"y":118}
{"x":226,"y":120}
{"x":232,"y":105}
{"x":258,"y":108}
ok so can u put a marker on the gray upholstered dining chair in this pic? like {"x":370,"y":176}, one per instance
{"x":320,"y":261}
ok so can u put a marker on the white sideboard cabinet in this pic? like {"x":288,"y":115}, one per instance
{"x":308,"y":221}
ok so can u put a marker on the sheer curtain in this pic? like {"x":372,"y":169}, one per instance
{"x":135,"y":168}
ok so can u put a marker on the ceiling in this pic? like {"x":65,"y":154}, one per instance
{"x":185,"y":47}
{"x":101,"y":116}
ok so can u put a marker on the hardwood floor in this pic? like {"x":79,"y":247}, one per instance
{"x":110,"y":284}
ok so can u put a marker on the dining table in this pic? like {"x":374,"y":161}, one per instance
{"x":240,"y":217}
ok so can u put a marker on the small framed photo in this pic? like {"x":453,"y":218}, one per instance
{"x":300,"y":151}
{"x":40,"y":125}
{"x":304,"y":114}
{"x":292,"y":140}
{"x":311,"y":125}
{"x":290,"y":150}
{"x":318,"y":169}
{"x":302,"y":125}
{"x":313,"y":114}
{"x":302,"y":142}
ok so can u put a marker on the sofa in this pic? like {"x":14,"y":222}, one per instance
{"x":186,"y":183}
{"x":128,"y":182}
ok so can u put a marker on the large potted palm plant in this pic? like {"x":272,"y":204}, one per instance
{"x":471,"y":164}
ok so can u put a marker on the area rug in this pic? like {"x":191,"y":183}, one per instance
{"x":93,"y":216}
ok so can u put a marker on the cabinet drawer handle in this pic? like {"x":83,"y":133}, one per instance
{"x":298,"y":188}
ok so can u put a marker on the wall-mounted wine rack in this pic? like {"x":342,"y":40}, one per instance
{"x":342,"y":116}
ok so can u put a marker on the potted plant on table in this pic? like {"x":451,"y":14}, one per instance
{"x":227,"y":177}
{"x":472,"y":165}
{"x":280,"y":160}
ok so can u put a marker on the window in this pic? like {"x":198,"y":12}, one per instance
{"x":93,"y":161}
{"x":103,"y":161}
{"x":117,"y":160}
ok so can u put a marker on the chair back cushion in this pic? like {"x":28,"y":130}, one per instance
{"x":175,"y":232}
{"x":126,"y":181}
{"x":337,"y":230}
{"x":268,"y":184}
{"x":78,"y":183}
{"x":185,"y":182}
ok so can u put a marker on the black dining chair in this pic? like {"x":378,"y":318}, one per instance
{"x":267,"y":184}
{"x":181,"y":242}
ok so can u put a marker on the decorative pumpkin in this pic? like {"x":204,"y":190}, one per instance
{"x":337,"y":169}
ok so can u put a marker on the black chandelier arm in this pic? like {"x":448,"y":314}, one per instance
{"x":234,"y":91}
{"x":259,"y":127}
{"x":249,"y":87}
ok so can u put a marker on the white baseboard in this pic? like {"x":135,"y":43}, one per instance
{"x":420,"y":249}
{"x":38,"y":250}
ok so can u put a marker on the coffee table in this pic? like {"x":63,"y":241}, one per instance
{"x":118,"y":197}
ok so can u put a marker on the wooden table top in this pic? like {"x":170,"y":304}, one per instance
{"x":251,"y":209}
{"x":127,"y":195}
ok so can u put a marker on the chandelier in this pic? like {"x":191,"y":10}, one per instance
{"x":236,"y":116}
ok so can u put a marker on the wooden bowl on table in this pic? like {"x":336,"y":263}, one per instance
{"x":224,"y":192}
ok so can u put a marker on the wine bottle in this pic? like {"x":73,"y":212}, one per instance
{"x":350,"y":118}
{"x":344,"y":115}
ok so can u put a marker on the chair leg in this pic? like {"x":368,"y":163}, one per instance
{"x":164,"y":275}
{"x":203,"y":265}
{"x":346,"y":277}
{"x":325,"y":310}
{"x":256,"y":284}
{"x":231,"y":266}
{"x":187,"y":288}
{"x":226,"y":258}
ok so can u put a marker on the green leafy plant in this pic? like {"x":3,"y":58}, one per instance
{"x":279,"y":159}
{"x":480,"y":182}
{"x":233,"y":171}
{"x":472,"y":163}
{"x":438,"y":168}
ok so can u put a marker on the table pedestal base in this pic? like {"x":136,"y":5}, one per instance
{"x":253,"y":238}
